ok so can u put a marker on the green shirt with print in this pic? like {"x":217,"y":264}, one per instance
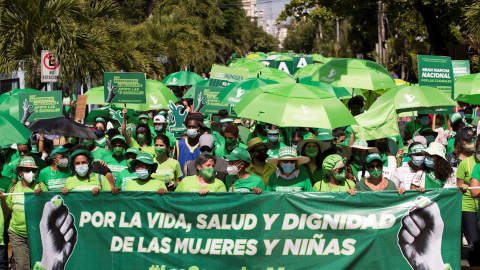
{"x":116,"y":166}
{"x":221,"y":150}
{"x":150,"y":185}
{"x":75,"y":183}
{"x":323,"y":185}
{"x":169,"y":170}
{"x":100,"y":153}
{"x":297,"y":184}
{"x":190,"y":184}
{"x":54,"y":180}
{"x":18,"y":224}
{"x":124,"y":177}
{"x":244,"y":185}
{"x":468,"y":169}
{"x":149,"y":149}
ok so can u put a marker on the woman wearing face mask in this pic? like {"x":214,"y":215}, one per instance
{"x":310,"y":147}
{"x":129,"y":173}
{"x":160,"y":127}
{"x":463,"y":147}
{"x":100,"y":128}
{"x":204,"y":181}
{"x":389,"y":160}
{"x":438,"y":172}
{"x":168,"y":169}
{"x":238,"y":180}
{"x":97,"y":152}
{"x":232,"y":140}
{"x":54,"y":176}
{"x":288,"y":178}
{"x":357,"y":154}
{"x":116,"y":162}
{"x":404,"y":175}
{"x":258,"y":152}
{"x":274,"y":139}
{"x":335,"y":179}
{"x":144,"y":166}
{"x":14,"y":204}
{"x":375,"y":181}
{"x":457,"y":123}
{"x":83,"y":178}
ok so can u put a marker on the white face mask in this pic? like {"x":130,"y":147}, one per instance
{"x":29,"y":177}
{"x":232,"y":170}
{"x":192,"y":133}
{"x":63,"y":162}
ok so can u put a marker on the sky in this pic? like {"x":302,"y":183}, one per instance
{"x":276,"y":5}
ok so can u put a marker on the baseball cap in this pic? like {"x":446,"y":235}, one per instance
{"x":239,"y":154}
{"x":159,"y":119}
{"x":206,"y":140}
{"x":374,"y":156}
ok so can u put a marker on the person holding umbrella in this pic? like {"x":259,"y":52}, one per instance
{"x":238,"y":180}
{"x":26,"y":171}
{"x":143,"y":136}
{"x":55,"y":175}
{"x":335,"y":179}
{"x":204,"y":181}
{"x":129,"y":173}
{"x":288,"y":178}
{"x":144,"y":166}
{"x":310,"y":147}
{"x":258,"y":153}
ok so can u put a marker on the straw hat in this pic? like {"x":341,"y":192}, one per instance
{"x":310,"y":138}
{"x":288,"y":153}
{"x":257,"y":141}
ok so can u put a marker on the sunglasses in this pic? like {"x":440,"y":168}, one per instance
{"x":29,"y":170}
{"x":373,"y":167}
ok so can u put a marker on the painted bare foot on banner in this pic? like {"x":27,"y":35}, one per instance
{"x":58,"y":233}
{"x":420,"y":235}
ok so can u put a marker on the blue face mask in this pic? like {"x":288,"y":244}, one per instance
{"x":288,"y":168}
{"x":417,"y":161}
{"x":429,"y":162}
{"x":273,"y":138}
{"x":142,"y":174}
{"x":82,"y":170}
{"x":160,"y":128}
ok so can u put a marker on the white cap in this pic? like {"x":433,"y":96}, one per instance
{"x":159,"y":119}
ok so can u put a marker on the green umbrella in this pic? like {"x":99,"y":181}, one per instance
{"x":318,"y":58}
{"x":182,"y":78}
{"x":284,"y":58}
{"x":354,"y":73}
{"x":96,"y":96}
{"x":408,"y":98}
{"x":248,"y":65}
{"x":234,"y":92}
{"x":13,"y":131}
{"x":191,"y":91}
{"x":9,"y":102}
{"x":467,"y":89}
{"x":158,"y":97}
{"x":294,"y":105}
{"x":339,"y":92}
{"x":274,"y":75}
{"x":307,"y":71}
{"x":112,"y":112}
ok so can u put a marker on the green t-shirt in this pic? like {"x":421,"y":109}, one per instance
{"x":244,"y":185}
{"x":317,"y":174}
{"x":190,"y":184}
{"x":54,"y":180}
{"x":75,"y":183}
{"x":5,"y":184}
{"x":10,"y":170}
{"x":101,"y":142}
{"x":116,"y":166}
{"x":100,"y":153}
{"x":150,"y":185}
{"x":149,"y":149}
{"x":16,"y":204}
{"x":297,"y":184}
{"x":468,"y":203}
{"x":273,"y":151}
{"x":323,"y":185}
{"x":450,"y":143}
{"x":221,"y":151}
{"x":124,"y":177}
{"x":169,"y":170}
{"x":362,"y":186}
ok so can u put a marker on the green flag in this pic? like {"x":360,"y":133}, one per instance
{"x":377,"y":123}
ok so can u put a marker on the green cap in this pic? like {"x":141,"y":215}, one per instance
{"x":374,"y":156}
{"x":99,"y":119}
{"x":60,"y":149}
{"x":325,"y":134}
{"x":118,"y":137}
{"x":143,"y":115}
{"x":145,"y":158}
{"x":226,"y":120}
{"x":27,"y":161}
{"x":455,"y":117}
{"x":239,"y":154}
{"x":132,"y":150}
{"x":86,"y":153}
{"x":416,"y":149}
{"x":34,"y":150}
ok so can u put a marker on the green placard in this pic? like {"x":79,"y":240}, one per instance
{"x":206,"y":101}
{"x":436,"y":71}
{"x":39,"y":105}
{"x":124,"y":87}
{"x":222,"y":76}
{"x":176,"y":119}
{"x":460,"y":68}
{"x":312,"y":230}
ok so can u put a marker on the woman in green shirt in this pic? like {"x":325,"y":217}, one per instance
{"x":168,"y":168}
{"x":55,"y":175}
{"x":357,"y":154}
{"x":335,"y":179}
{"x":238,"y":180}
{"x":17,"y":232}
{"x":310,"y":147}
{"x":128,"y":174}
{"x":288,"y":178}
{"x":204,"y":181}
{"x":375,"y":181}
{"x":143,"y":136}
{"x":144,"y":167}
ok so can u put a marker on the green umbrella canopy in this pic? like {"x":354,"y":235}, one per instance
{"x":191,"y":91}
{"x":248,"y":65}
{"x":234,"y":92}
{"x":96,"y":96}
{"x":339,"y":92}
{"x":274,"y":75}
{"x":318,"y":58}
{"x":354,"y":73}
{"x":158,"y":97}
{"x":467,"y":89}
{"x":294,"y":105}
{"x":284,"y":58}
{"x":182,"y":78}
{"x":108,"y":112}
{"x":306,"y":71}
{"x":408,"y":98}
{"x":13,"y":131}
{"x":9,"y":102}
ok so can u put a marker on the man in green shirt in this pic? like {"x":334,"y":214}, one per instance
{"x":55,"y":175}
{"x":97,"y":152}
{"x":117,"y":161}
{"x":128,"y":174}
{"x":238,"y":180}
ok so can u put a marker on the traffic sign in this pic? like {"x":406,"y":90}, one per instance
{"x":50,"y":66}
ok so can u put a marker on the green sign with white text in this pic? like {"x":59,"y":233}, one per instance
{"x":289,"y":231}
{"x":460,"y":68}
{"x":124,"y":87}
{"x":206,"y":101}
{"x":221,"y":76}
{"x":39,"y":105}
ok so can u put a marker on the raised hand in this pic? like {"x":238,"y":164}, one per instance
{"x":26,"y":111}
{"x":202,"y":101}
{"x":111,"y":92}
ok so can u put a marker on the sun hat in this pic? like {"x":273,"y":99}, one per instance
{"x":131,"y":150}
{"x":79,"y":152}
{"x":436,"y":149}
{"x":59,"y":149}
{"x":330,"y":163}
{"x":416,"y":149}
{"x":257,"y":141}
{"x":374,"y":156}
{"x":238,"y":154}
{"x":310,"y":138}
{"x":145,"y":158}
{"x":358,"y":144}
{"x":288,"y":153}
{"x":325,"y":134}
{"x":159,"y":119}
{"x":118,"y":138}
{"x":27,"y":162}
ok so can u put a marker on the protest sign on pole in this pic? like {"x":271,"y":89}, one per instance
{"x":81,"y":106}
{"x":206,"y":101}
{"x":460,"y":68}
{"x":50,"y":66}
{"x":124,"y":87}
{"x":436,"y":71}
{"x":39,"y":105}
{"x":222,"y":76}
{"x":313,"y":230}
